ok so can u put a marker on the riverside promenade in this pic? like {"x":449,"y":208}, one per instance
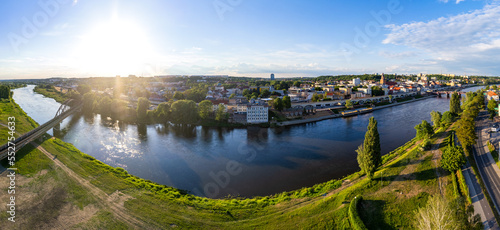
{"x":304,"y":121}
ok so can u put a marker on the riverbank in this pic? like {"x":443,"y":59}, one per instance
{"x":304,"y":121}
{"x":132,"y":202}
{"x":51,"y":93}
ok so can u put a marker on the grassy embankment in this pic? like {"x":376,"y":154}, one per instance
{"x":390,"y":200}
{"x":52,"y":93}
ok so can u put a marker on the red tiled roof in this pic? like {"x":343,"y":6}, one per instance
{"x":491,"y":93}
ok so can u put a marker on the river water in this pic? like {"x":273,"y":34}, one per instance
{"x":216,"y":162}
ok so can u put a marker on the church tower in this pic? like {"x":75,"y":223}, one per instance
{"x":382,"y":80}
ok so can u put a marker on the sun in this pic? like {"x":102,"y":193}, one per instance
{"x":115,"y":47}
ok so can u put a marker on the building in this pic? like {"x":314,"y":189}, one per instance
{"x":356,"y":81}
{"x":272,"y":76}
{"x":492,"y":95}
{"x":382,"y":80}
{"x":366,"y":91}
{"x":241,"y":108}
{"x":257,"y":113}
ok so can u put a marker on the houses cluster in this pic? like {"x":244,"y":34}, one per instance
{"x":357,"y":88}
{"x":248,"y":103}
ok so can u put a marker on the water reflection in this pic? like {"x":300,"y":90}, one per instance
{"x":162,"y":129}
{"x":185,"y":131}
{"x":142,"y":132}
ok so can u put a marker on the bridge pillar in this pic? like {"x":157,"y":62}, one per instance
{"x":56,"y":131}
{"x":447,"y":95}
{"x":439,"y":94}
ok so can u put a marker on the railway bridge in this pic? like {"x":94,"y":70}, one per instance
{"x":64,"y":111}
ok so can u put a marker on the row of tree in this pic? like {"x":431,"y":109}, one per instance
{"x":178,"y":112}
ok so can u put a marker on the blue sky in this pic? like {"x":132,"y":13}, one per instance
{"x":86,"y":38}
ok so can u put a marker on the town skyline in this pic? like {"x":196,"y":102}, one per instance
{"x":247,"y":39}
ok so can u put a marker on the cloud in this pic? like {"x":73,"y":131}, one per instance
{"x":457,"y":42}
{"x":456,"y":2}
{"x":393,"y":55}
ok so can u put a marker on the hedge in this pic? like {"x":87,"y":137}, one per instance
{"x":354,"y":218}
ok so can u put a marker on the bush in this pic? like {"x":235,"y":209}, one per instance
{"x":425,"y":145}
{"x":463,"y":186}
{"x":456,"y":194}
{"x":356,"y":222}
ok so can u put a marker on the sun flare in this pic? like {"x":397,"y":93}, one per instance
{"x":116,"y":47}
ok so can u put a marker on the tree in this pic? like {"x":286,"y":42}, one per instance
{"x":142,"y":108}
{"x":232,"y":96}
{"x":105,"y":107}
{"x":453,"y":158}
{"x":369,"y":157}
{"x":437,"y":214}
{"x":424,"y":130}
{"x":377,"y":91}
{"x":265,"y":93}
{"x":178,"y":95}
{"x":83,"y":89}
{"x":246,"y":92}
{"x":184,"y":112}
{"x":297,"y":84}
{"x":162,"y":112}
{"x":390,"y":98}
{"x":118,"y":109}
{"x":455,"y":104}
{"x":287,"y":103}
{"x":465,"y":131}
{"x":348,"y":104}
{"x":492,"y":105}
{"x":221,"y":115}
{"x":436,"y":119}
{"x":447,"y":118}
{"x":5,"y":92}
{"x":205,"y":108}
{"x":88,"y":103}
{"x":278,"y":104}
{"x":315,"y":97}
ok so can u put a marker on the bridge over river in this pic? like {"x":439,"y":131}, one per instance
{"x":64,"y":111}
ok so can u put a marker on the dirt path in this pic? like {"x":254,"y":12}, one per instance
{"x":118,"y":210}
{"x":436,"y":153}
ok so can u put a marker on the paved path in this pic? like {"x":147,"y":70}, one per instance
{"x":488,"y":170}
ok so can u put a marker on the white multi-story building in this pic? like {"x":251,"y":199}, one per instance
{"x":356,"y":81}
{"x":257,"y":113}
{"x":366,"y":91}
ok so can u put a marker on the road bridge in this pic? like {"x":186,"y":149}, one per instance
{"x":64,"y":111}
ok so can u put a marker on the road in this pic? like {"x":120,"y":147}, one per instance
{"x":488,"y":170}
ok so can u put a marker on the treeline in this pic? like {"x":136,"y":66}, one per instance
{"x":182,"y":112}
{"x":456,"y":211}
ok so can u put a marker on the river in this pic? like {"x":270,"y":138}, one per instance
{"x":216,"y":162}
